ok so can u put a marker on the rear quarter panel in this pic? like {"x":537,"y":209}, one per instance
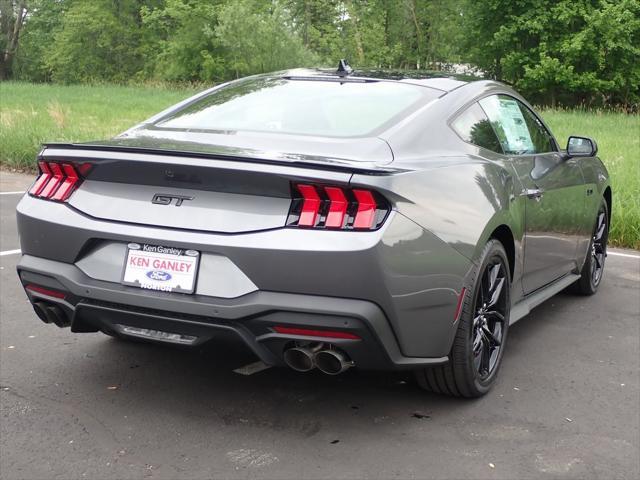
{"x":462,"y":201}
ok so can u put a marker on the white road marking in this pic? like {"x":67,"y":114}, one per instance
{"x":11,"y":193}
{"x":9,"y":252}
{"x":618,"y":254}
{"x":252,"y":368}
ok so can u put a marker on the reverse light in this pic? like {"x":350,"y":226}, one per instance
{"x":306,"y":332}
{"x":57,"y":181}
{"x":336,"y":208}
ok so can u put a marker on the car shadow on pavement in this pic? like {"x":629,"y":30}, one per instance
{"x":188,"y":384}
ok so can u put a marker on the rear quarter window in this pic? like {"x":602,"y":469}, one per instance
{"x":473,"y":126}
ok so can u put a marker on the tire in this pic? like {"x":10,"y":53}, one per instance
{"x":482,"y":325}
{"x":593,"y":268}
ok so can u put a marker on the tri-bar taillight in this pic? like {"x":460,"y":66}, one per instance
{"x":336,"y":208}
{"x":58,"y":180}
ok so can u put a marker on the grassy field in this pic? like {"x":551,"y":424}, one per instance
{"x":32,"y":114}
{"x":618,"y":138}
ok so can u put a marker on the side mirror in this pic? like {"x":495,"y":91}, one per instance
{"x":581,"y":147}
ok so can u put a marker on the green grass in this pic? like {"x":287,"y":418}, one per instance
{"x":32,"y":114}
{"x":618,"y":138}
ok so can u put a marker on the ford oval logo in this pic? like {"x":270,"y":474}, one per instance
{"x":158,"y":275}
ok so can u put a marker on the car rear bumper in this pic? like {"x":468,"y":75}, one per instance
{"x":92,"y":305}
{"x":410,"y":276}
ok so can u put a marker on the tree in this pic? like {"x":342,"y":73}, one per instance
{"x":12,"y":17}
{"x":257,"y":41}
{"x":180,"y":42}
{"x":38,"y":38}
{"x":560,"y":51}
{"x":97,"y":40}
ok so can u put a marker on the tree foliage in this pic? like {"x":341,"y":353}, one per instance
{"x":567,"y":51}
{"x":13,"y":14}
{"x":556,"y":51}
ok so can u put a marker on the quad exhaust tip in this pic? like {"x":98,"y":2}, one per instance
{"x":326,"y":358}
{"x":50,"y":313}
{"x":332,"y":362}
{"x":301,"y":359}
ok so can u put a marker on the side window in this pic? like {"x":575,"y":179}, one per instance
{"x":539,"y":134}
{"x":474,"y":127}
{"x":518,"y":129}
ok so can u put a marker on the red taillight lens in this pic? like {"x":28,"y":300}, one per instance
{"x":307,"y":332}
{"x":42,"y":180}
{"x":332,"y":207}
{"x":54,"y":182}
{"x":68,"y":185}
{"x":366,"y":213}
{"x":337,"y":207}
{"x":45,"y":291}
{"x":310,"y":206}
{"x":57,"y":181}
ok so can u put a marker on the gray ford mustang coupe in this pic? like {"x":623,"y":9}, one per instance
{"x":330,"y":219}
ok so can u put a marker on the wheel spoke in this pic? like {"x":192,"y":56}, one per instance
{"x":598,"y":262}
{"x":600,"y":228}
{"x":497,"y":315}
{"x":481,"y":296}
{"x":495,"y":296}
{"x":493,"y":275}
{"x":493,"y":341}
{"x":477,"y":342}
{"x":486,"y":356}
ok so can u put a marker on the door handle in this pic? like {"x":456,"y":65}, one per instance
{"x":533,"y":193}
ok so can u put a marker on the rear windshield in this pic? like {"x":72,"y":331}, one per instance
{"x":306,"y":107}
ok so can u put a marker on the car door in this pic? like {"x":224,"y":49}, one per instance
{"x":552,"y":190}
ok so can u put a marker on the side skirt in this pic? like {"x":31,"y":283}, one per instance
{"x":524,"y":306}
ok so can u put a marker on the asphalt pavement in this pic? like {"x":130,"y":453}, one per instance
{"x":89,"y":406}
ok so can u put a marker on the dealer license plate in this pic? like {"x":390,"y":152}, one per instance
{"x":156,"y":267}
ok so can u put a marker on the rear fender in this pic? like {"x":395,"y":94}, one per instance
{"x":462,"y":203}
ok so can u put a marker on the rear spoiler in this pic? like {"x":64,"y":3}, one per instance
{"x":107,"y":152}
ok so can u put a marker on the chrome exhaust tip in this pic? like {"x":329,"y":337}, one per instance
{"x":332,"y":362}
{"x":301,"y":358}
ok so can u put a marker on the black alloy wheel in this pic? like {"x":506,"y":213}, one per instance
{"x":488,"y":324}
{"x":479,"y":343}
{"x":593,"y":269}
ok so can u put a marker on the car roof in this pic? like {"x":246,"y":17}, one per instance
{"x":439,"y":80}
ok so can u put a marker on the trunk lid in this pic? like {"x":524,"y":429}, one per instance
{"x":371,"y":151}
{"x":203,"y":192}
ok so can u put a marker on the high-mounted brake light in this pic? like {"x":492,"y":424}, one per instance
{"x":57,"y":181}
{"x":333,"y":207}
